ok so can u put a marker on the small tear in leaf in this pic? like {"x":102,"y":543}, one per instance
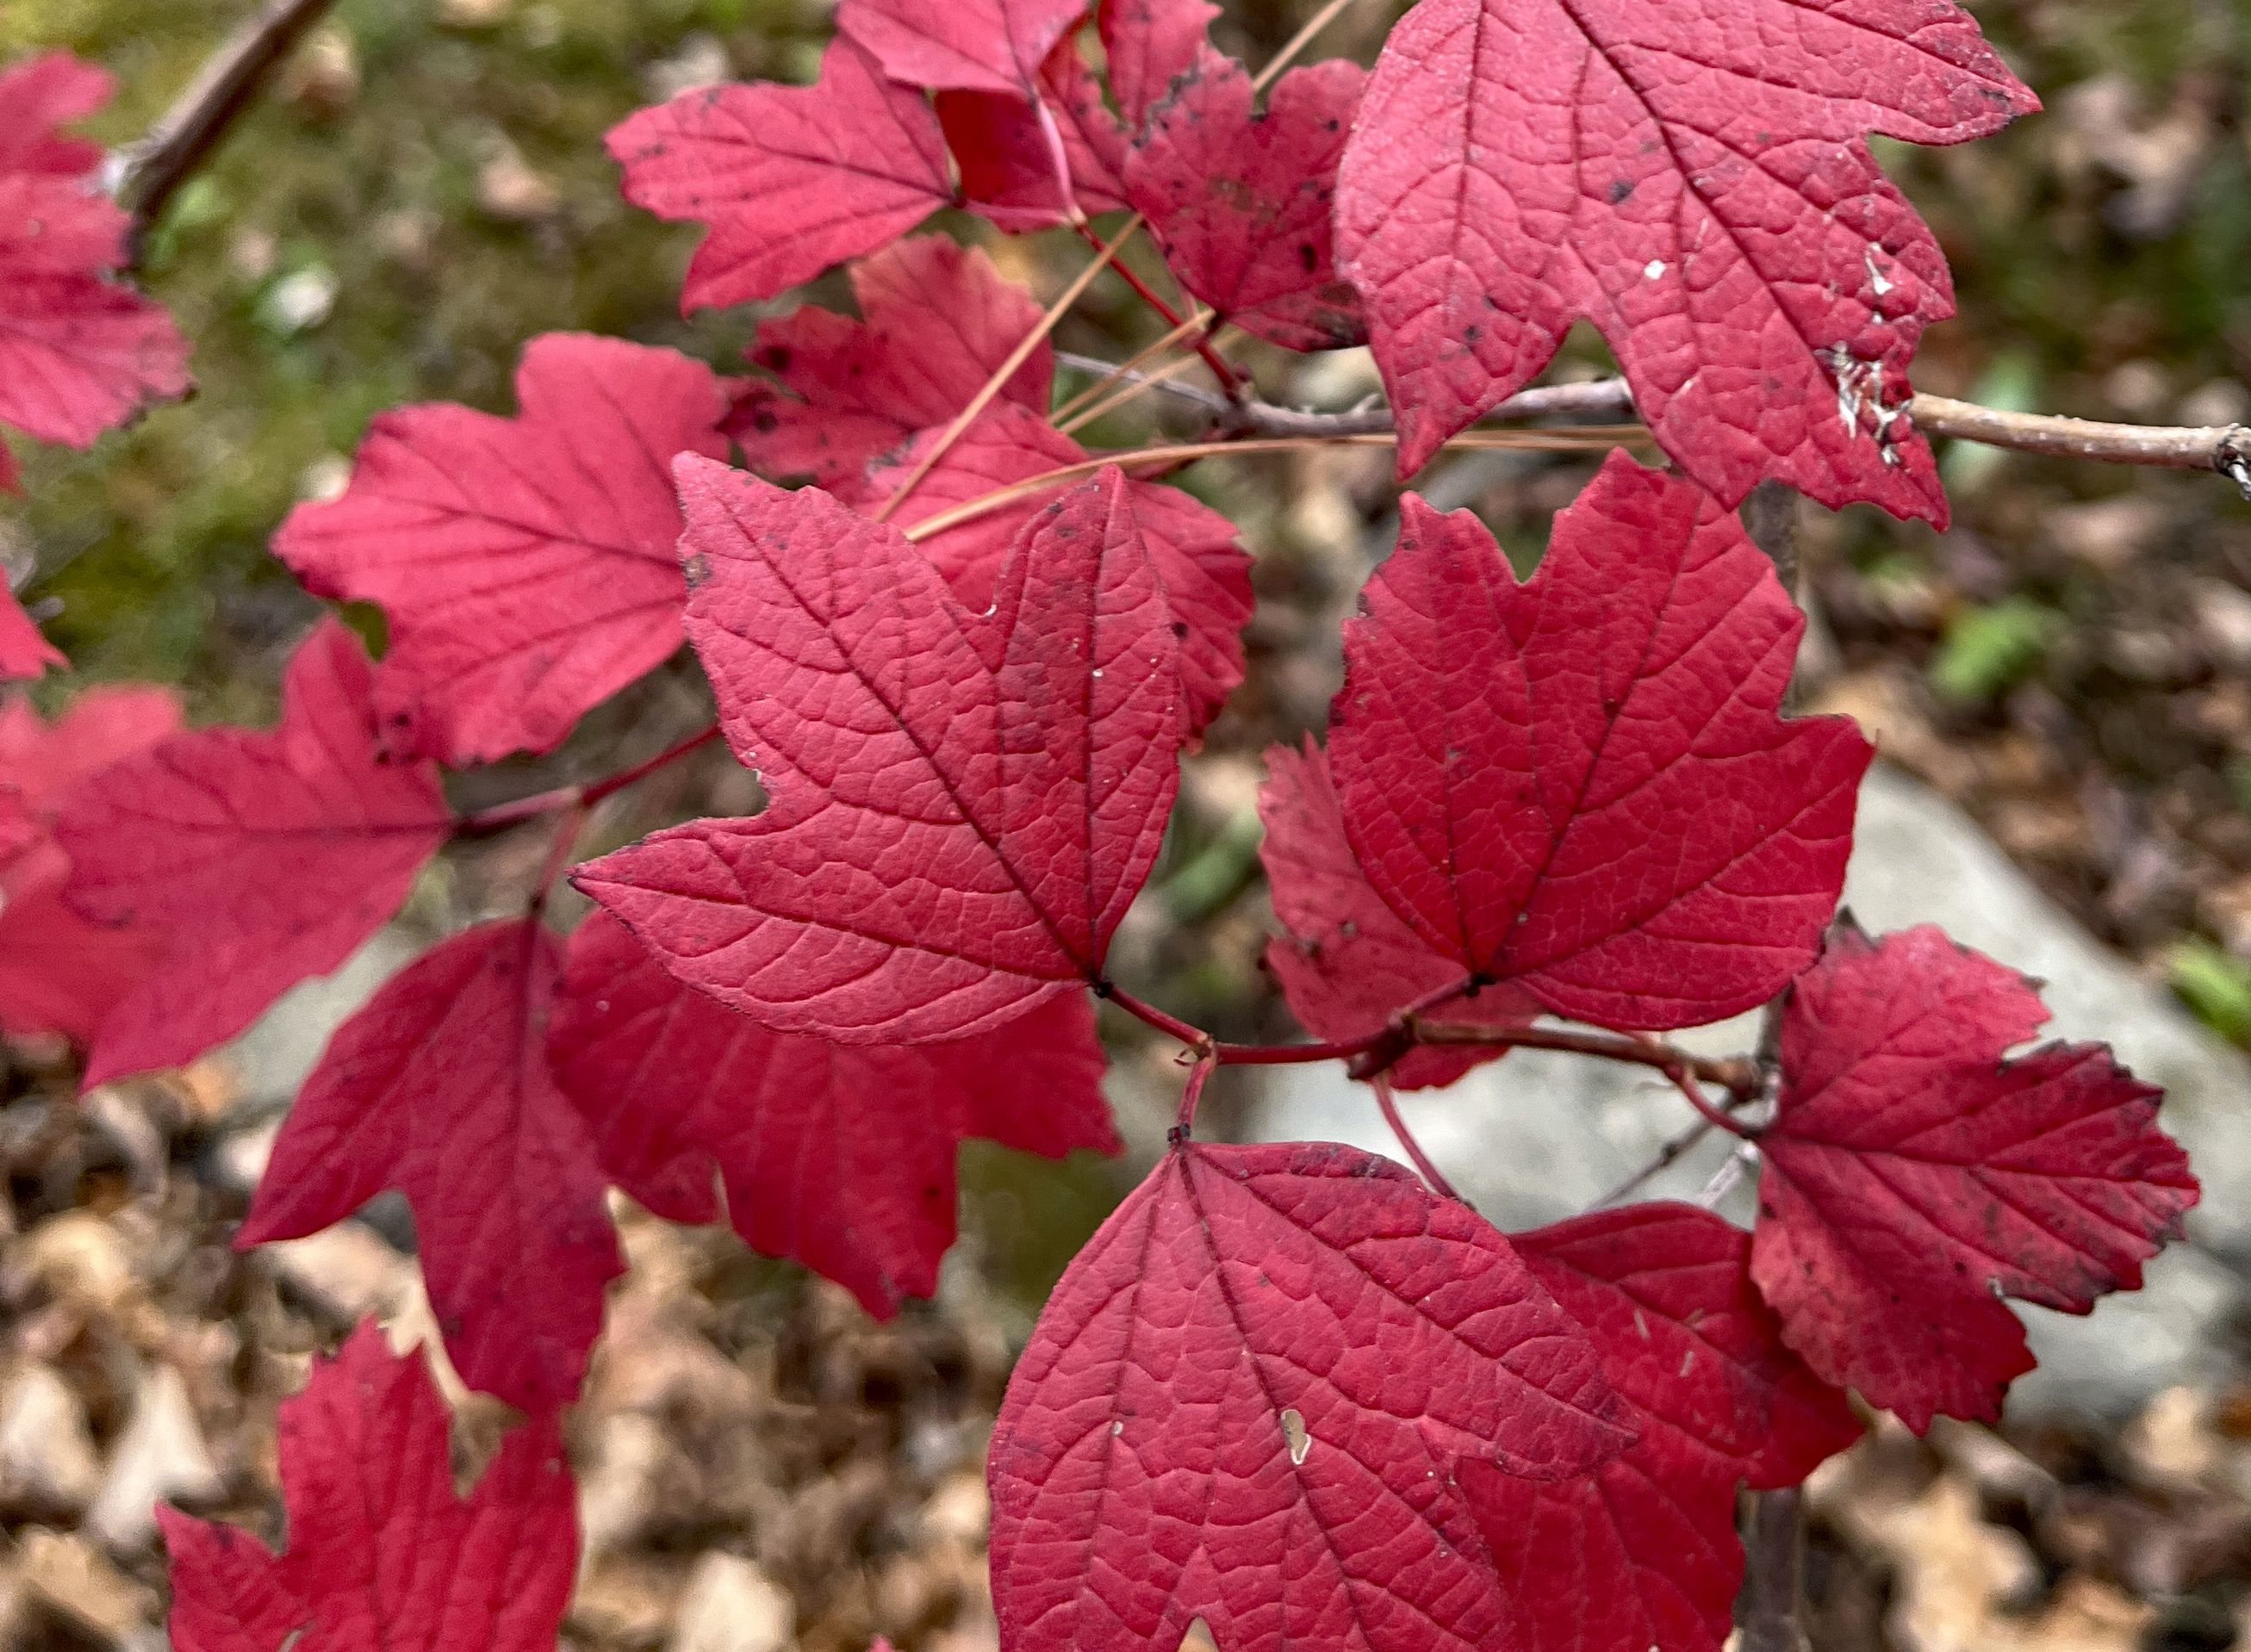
{"x":1293,"y":1430}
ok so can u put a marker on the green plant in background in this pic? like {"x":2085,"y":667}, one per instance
{"x":2217,"y":985}
{"x":1988,"y":649}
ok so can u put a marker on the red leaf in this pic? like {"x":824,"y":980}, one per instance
{"x":963,"y":806}
{"x":1693,"y":178}
{"x":384,"y":1555}
{"x":938,"y":322}
{"x":790,"y":179}
{"x":1644,"y":1551}
{"x":1148,"y":45}
{"x":58,"y":972}
{"x":441,"y":1088}
{"x":527,"y":565}
{"x":23,"y":652}
{"x":1245,"y":1403}
{"x":965,"y":46}
{"x":1581,"y":783}
{"x":1206,"y":573}
{"x":841,"y":1157}
{"x":1241,"y":202}
{"x":1912,"y":1176}
{"x":1348,"y":962}
{"x":267,"y":858}
{"x":79,"y":354}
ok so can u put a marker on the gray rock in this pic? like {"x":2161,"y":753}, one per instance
{"x":1539,"y":1136}
{"x":273,"y":1058}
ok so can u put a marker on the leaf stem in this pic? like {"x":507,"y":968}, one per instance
{"x":1006,"y":370}
{"x":1195,"y":1037}
{"x":1230,"y":382}
{"x":1192,"y":1093}
{"x":1430,"y":1173}
{"x":502,"y":816}
{"x":1737,"y":1077}
{"x":150,"y":170}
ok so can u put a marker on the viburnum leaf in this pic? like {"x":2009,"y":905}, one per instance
{"x":1195,"y":551}
{"x":837,"y":1155}
{"x":441,"y":1088}
{"x":1147,"y":45}
{"x":966,"y":45}
{"x":23,"y":652}
{"x":60,"y":973}
{"x":384,"y":1555}
{"x":79,"y":353}
{"x":964,"y":804}
{"x":265,"y":858}
{"x":1690,"y":177}
{"x":1241,"y":202}
{"x":1913,"y":1177}
{"x":790,"y":179}
{"x":1247,"y":1402}
{"x":937,"y":322}
{"x":1017,"y":161}
{"x":1581,"y":782}
{"x":527,"y":566}
{"x":1348,"y":962}
{"x":1643,"y":1552}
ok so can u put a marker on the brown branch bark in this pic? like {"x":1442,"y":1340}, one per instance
{"x":151,"y":169}
{"x":2225,"y":449}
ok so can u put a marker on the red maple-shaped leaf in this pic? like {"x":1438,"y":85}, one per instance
{"x":1247,"y":1401}
{"x":966,"y":45}
{"x":384,"y":1555}
{"x":78,"y":353}
{"x":1691,"y":177}
{"x":526,"y":566}
{"x":790,"y":179}
{"x":1348,"y":962}
{"x":265,"y":858}
{"x":1913,"y":1177}
{"x":1643,"y":1552}
{"x":441,"y":1088}
{"x":964,"y":804}
{"x":937,"y":323}
{"x":1194,"y":550}
{"x":1241,"y":202}
{"x":60,"y":973}
{"x":838,"y":1156}
{"x":23,"y":652}
{"x":1581,"y":782}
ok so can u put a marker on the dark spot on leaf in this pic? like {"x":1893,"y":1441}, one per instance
{"x":1620,"y":188}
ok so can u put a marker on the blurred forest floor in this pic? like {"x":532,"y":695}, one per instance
{"x":425,"y":189}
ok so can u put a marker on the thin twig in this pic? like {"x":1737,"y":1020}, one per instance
{"x":150,"y":170}
{"x":1774,"y":1553}
{"x":1229,"y":380}
{"x":1127,"y":371}
{"x":1299,"y":42}
{"x":2223,"y":448}
{"x":1584,"y":440}
{"x":1666,"y":1157}
{"x":1430,"y":1173}
{"x":1116,"y":399}
{"x":1736,"y":1076}
{"x":1006,"y":370}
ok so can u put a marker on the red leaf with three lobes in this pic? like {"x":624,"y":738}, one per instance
{"x":840,"y":1156}
{"x":1242,"y":202}
{"x":1912,"y":1176}
{"x":265,"y":858}
{"x":60,"y":973}
{"x":965,"y":46}
{"x":1643,"y":1552}
{"x":964,"y":804}
{"x":1246,"y":1401}
{"x":1349,"y":963}
{"x":384,"y":1556}
{"x":938,"y":321}
{"x":790,"y":179}
{"x":441,"y":1088}
{"x":527,"y":566}
{"x":1581,"y":783}
{"x":1204,"y":569}
{"x":78,"y":352}
{"x":1692,"y":177}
